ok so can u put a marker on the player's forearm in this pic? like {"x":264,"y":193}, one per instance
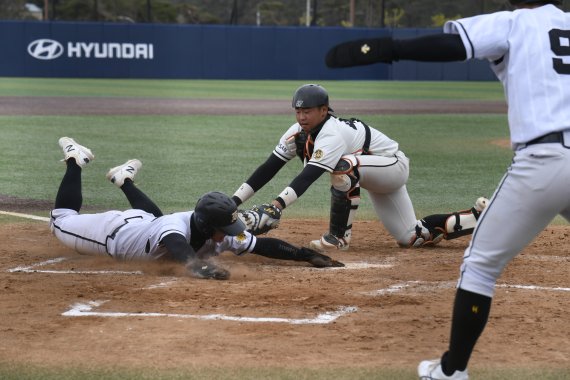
{"x":277,"y":249}
{"x":178,"y":249}
{"x":263,"y":174}
{"x":433,"y":48}
{"x":298,"y":186}
{"x":281,"y":250}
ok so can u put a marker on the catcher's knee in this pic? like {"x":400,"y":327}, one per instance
{"x":345,"y":176}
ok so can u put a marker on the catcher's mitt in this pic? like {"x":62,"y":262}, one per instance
{"x":260,"y":219}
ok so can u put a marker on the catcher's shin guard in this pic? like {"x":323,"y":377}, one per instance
{"x":345,"y":198}
{"x":456,"y":224}
{"x":343,"y":210}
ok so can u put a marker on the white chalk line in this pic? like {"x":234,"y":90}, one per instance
{"x":425,"y":286}
{"x":165,"y":284}
{"x":534,"y":287}
{"x":27,"y":216}
{"x":85,"y":310}
{"x":544,"y":258}
{"x":347,"y":266}
{"x":350,"y":266}
{"x":361,"y":265}
{"x":32,"y":269}
{"x":417,"y":286}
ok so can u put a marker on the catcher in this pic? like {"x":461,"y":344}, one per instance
{"x":143,"y":232}
{"x":356,"y":155}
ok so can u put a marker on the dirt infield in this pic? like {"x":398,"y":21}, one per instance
{"x":390,"y":307}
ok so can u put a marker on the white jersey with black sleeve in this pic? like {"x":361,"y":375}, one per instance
{"x":529,"y":51}
{"x":383,"y":171}
{"x":134,"y":234}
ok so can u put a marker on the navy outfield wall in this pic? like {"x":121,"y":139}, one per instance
{"x":111,"y":50}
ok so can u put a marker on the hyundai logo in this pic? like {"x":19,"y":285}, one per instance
{"x":45,"y":49}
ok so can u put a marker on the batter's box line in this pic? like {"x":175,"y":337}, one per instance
{"x":424,"y":286}
{"x":86,"y":310}
{"x":33,"y":269}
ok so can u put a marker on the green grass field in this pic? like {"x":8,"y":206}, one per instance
{"x":453,"y":161}
{"x":238,"y":89}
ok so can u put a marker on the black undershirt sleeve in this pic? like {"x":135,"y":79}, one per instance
{"x":433,"y":48}
{"x":265,"y":172}
{"x":306,"y":178}
{"x":178,"y":249}
{"x":279,"y":249}
{"x":440,"y":47}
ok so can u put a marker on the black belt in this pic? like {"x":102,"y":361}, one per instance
{"x":554,"y":137}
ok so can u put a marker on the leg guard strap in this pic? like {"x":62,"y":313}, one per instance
{"x":453,"y":225}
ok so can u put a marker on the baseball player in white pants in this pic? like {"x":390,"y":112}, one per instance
{"x":143,"y":232}
{"x":529,"y":51}
{"x":356,"y":155}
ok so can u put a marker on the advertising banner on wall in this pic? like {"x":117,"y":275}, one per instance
{"x":169,"y":51}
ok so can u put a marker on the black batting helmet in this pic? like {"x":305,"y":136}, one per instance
{"x":311,"y":95}
{"x":519,"y":2}
{"x":216,"y":210}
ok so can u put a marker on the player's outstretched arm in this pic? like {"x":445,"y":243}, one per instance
{"x":281,"y":250}
{"x":433,"y":48}
{"x":261,"y":176}
{"x":179,"y":250}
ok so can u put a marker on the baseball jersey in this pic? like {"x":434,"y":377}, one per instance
{"x":134,"y":234}
{"x":338,"y":137}
{"x":532,"y":45}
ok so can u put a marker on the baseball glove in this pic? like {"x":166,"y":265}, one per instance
{"x":261,"y":219}
{"x":204,"y":269}
{"x":318,"y":259}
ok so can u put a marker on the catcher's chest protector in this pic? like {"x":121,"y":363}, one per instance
{"x":302,"y":150}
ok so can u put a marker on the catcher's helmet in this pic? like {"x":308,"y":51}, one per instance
{"x":216,"y":210}
{"x":311,"y":95}
{"x":519,"y":2}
